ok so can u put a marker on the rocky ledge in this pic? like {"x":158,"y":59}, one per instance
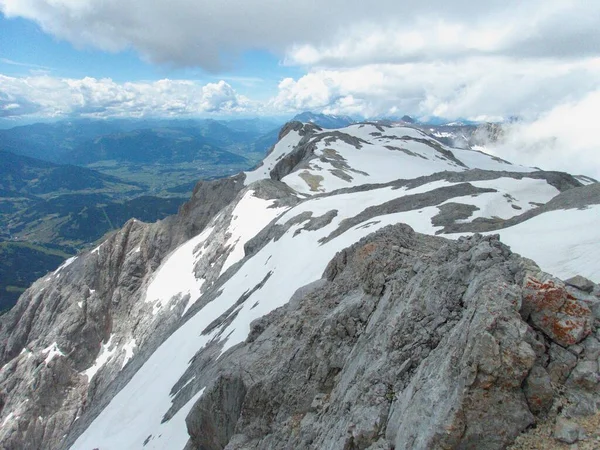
{"x":407,"y":342}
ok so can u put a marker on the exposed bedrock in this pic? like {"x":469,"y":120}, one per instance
{"x":408,"y":342}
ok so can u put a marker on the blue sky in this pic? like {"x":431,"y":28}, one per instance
{"x":25,"y":49}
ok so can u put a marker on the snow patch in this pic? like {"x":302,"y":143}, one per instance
{"x":513,"y":197}
{"x":51,"y":352}
{"x":250,"y":215}
{"x":564,"y":243}
{"x":176,"y":277}
{"x":66,"y":264}
{"x":128,"y":349}
{"x":105,"y":354}
{"x":282,"y":148}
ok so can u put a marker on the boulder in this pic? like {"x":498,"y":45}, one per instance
{"x":568,"y":431}
{"x":554,"y":311}
{"x":581,"y":283}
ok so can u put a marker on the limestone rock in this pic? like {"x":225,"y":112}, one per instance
{"x":211,"y":424}
{"x":581,"y":283}
{"x":568,"y":431}
{"x":538,"y":390}
{"x":557,"y":313}
{"x":561,"y":363}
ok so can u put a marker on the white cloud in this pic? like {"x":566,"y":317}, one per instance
{"x":489,"y":59}
{"x":554,"y":29}
{"x":22,"y":64}
{"x":47,"y":96}
{"x":472,"y":88}
{"x":333,"y":32}
{"x":563,"y":139}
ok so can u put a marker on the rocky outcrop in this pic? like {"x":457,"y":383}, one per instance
{"x":304,"y":151}
{"x":408,"y":341}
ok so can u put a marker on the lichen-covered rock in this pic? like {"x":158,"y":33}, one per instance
{"x":556,"y":312}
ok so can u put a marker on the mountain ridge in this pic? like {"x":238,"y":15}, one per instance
{"x":223,"y":265}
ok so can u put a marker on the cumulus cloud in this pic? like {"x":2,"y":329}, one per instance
{"x":90,"y":97}
{"x":486,"y":60}
{"x":474,"y":88}
{"x":564,"y":138}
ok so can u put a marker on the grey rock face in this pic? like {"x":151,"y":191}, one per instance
{"x":561,"y":363}
{"x":407,"y":203}
{"x":538,"y":390}
{"x":574,"y":197}
{"x":68,"y":318}
{"x":408,"y":341}
{"x":214,"y":417}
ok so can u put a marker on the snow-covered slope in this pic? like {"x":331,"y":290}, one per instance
{"x":368,"y":154}
{"x":317,"y":192}
{"x":564,"y":242}
{"x":304,"y":238}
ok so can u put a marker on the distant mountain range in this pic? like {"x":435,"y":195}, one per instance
{"x":61,"y":141}
{"x":22,"y":175}
{"x":325,"y":120}
{"x":49,"y":211}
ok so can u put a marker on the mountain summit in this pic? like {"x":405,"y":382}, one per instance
{"x":324,"y":120}
{"x":355,"y":291}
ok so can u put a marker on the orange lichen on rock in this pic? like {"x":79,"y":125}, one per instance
{"x":366,"y":250}
{"x":556,"y":312}
{"x":545,"y":296}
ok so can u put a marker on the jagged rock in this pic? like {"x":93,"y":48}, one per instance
{"x":561,"y":363}
{"x":211,"y":423}
{"x":75,"y":311}
{"x":399,"y":365}
{"x":585,"y":376}
{"x":581,"y":283}
{"x":591,"y":348}
{"x":568,"y":431}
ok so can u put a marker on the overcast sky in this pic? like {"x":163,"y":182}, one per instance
{"x":455,"y":59}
